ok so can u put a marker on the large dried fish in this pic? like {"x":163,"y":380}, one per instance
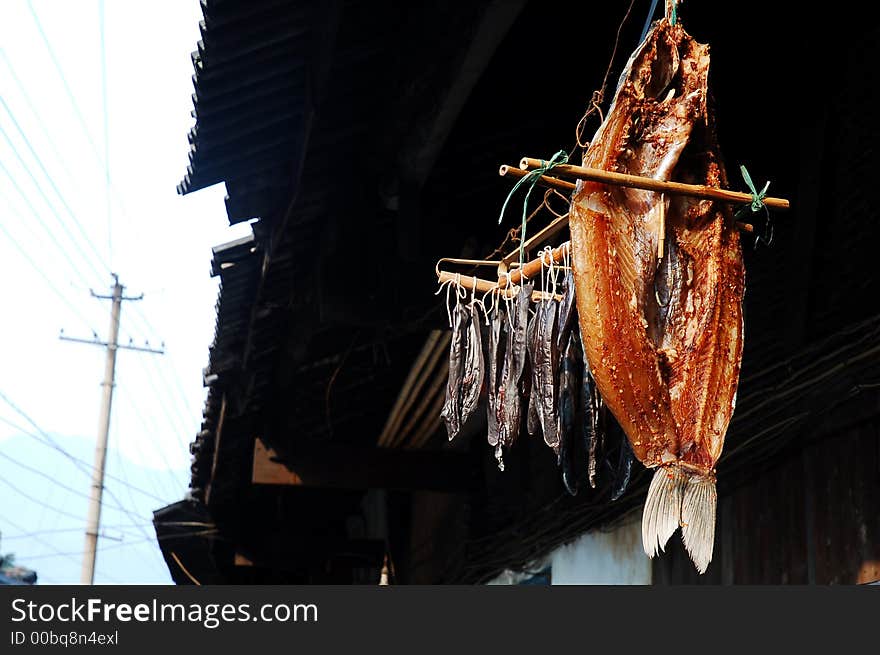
{"x":664,"y":338}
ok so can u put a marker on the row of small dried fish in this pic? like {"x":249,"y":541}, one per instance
{"x":534,"y":364}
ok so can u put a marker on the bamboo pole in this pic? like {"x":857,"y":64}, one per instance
{"x":533,"y":268}
{"x":470,"y":282}
{"x":559,"y":224}
{"x":546,"y":233}
{"x":544,"y":180}
{"x":650,"y":184}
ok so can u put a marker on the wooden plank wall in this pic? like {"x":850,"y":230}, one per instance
{"x":814,"y":518}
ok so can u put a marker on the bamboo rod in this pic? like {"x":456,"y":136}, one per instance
{"x":650,"y":184}
{"x":470,"y":282}
{"x":559,"y":224}
{"x":533,"y":268}
{"x":546,"y":233}
{"x":544,"y":180}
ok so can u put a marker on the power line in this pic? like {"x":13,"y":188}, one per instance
{"x":37,"y":216}
{"x":29,"y":535}
{"x":161,"y":451}
{"x":140,"y":453}
{"x":35,"y":471}
{"x":76,"y":492}
{"x":127,"y":544}
{"x":48,"y":137}
{"x":47,"y":440}
{"x":174,"y":377}
{"x":54,"y":186}
{"x":39,"y":502}
{"x":70,"y":96}
{"x":106,"y":128}
{"x":49,"y":282}
{"x":57,"y":552}
{"x":177,"y":422}
{"x":39,"y":122}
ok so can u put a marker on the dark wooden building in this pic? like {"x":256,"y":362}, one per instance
{"x":362,"y":141}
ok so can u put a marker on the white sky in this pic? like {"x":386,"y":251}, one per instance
{"x":160,"y":246}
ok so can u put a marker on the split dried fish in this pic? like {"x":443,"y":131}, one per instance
{"x":660,"y":284}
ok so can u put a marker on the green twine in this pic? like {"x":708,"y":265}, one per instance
{"x":756,"y":205}
{"x":673,"y":15}
{"x":531,"y":179}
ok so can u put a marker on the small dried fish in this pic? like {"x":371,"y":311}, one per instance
{"x":514,"y":362}
{"x":593,"y":424}
{"x":451,"y":413}
{"x":567,"y":312}
{"x":472,"y":375}
{"x":533,"y":422}
{"x":496,"y":353}
{"x":547,"y":366}
{"x":566,"y":415}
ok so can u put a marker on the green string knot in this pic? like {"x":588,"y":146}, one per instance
{"x":756,"y":205}
{"x":531,"y":179}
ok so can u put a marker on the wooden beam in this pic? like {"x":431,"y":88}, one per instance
{"x":218,"y":434}
{"x":242,"y":560}
{"x":334,"y":466}
{"x":289,"y":553}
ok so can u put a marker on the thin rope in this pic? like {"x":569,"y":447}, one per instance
{"x":755,"y":206}
{"x":183,"y":568}
{"x":651,"y":12}
{"x":531,"y":179}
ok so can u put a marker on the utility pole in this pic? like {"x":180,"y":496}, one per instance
{"x":97,"y":489}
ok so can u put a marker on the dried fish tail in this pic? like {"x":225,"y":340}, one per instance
{"x":681,"y":498}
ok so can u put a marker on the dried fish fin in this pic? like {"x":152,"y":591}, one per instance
{"x":662,"y":513}
{"x":698,"y":508}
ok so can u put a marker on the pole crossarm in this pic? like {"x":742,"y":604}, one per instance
{"x":118,"y":346}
